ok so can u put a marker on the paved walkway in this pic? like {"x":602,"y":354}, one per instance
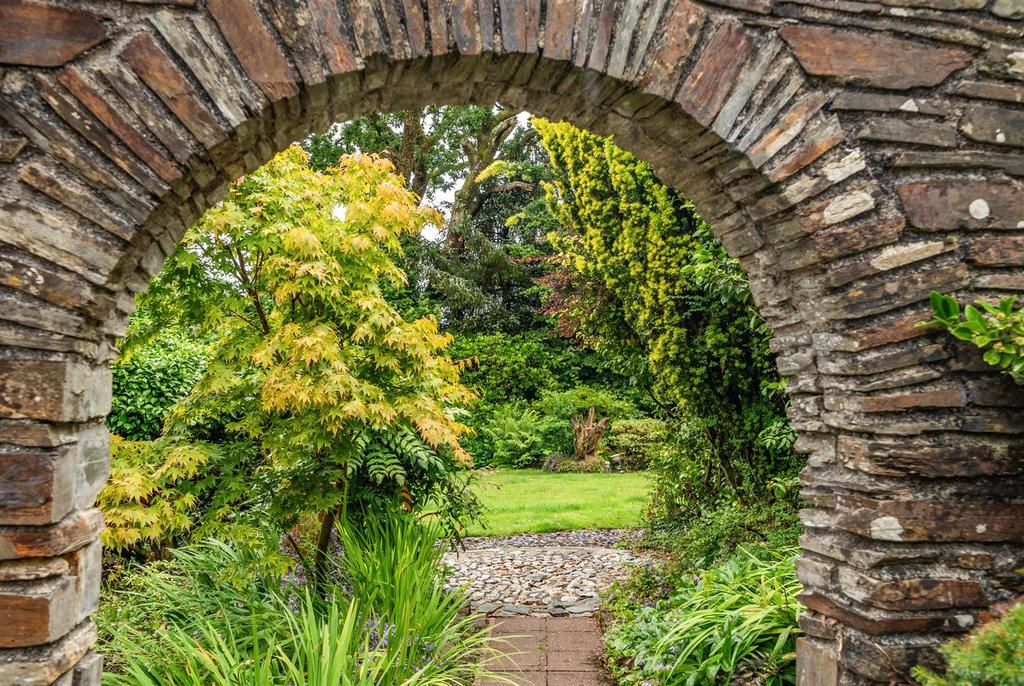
{"x":549,"y":651}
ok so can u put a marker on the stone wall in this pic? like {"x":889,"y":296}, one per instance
{"x":854,"y":156}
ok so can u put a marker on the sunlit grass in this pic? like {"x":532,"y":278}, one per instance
{"x":534,"y":501}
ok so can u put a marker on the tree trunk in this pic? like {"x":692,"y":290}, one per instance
{"x":323,"y":550}
{"x":410,"y":163}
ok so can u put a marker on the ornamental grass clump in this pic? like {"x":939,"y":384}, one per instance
{"x":388,"y":620}
{"x":735,"y":621}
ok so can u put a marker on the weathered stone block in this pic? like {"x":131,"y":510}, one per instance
{"x":871,"y":621}
{"x":881,"y":297}
{"x":33,"y":568}
{"x":939,"y":395}
{"x":1010,"y":9}
{"x":255,"y":48}
{"x":892,"y":456}
{"x":714,"y":74}
{"x":930,"y":520}
{"x":36,"y":487}
{"x":101,"y":108}
{"x":816,"y":665}
{"x":946,"y":204}
{"x":89,"y":670}
{"x":997,"y":251}
{"x":662,"y":74}
{"x":43,"y":665}
{"x":997,"y":125}
{"x":814,"y":573}
{"x":910,"y":593}
{"x":74,"y":531}
{"x":44,"y":35}
{"x":897,"y":130}
{"x":871,"y":59}
{"x":160,"y":73}
{"x":36,"y":612}
{"x":10,"y":146}
{"x":86,"y":565}
{"x":93,"y":464}
{"x":886,"y":661}
{"x":53,"y":390}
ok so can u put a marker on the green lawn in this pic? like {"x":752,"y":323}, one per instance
{"x":531,"y":500}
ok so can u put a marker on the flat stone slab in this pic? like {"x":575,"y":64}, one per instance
{"x":548,"y":651}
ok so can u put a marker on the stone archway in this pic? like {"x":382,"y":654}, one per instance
{"x":853,"y":155}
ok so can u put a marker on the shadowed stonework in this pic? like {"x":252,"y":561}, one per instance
{"x":853,"y":155}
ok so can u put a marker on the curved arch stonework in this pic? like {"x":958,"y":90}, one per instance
{"x":854,"y":155}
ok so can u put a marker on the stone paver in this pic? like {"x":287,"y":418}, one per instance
{"x":548,"y":651}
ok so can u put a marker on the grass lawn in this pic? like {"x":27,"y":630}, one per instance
{"x":533,"y":501}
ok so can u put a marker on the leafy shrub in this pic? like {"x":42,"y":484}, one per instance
{"x":149,"y":381}
{"x":636,"y":440}
{"x":685,"y":491}
{"x":150,"y":496}
{"x":387,"y":621}
{"x":736,"y":620}
{"x":991,"y":656}
{"x":680,"y":469}
{"x":999,"y":331}
{"x":560,"y":462}
{"x":519,"y":436}
{"x":576,"y":402}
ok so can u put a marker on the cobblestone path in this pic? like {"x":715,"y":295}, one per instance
{"x":550,"y":575}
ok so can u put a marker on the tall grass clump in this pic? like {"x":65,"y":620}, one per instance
{"x":383,"y":619}
{"x":734,"y":623}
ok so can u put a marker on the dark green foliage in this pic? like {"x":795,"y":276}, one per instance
{"x":521,"y":368}
{"x":717,"y":532}
{"x":991,"y":656}
{"x":564,"y":406}
{"x":148,"y":382}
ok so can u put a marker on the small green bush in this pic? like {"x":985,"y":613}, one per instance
{"x":519,"y":436}
{"x":635,"y":441}
{"x":991,"y":656}
{"x":736,"y":620}
{"x":149,"y":381}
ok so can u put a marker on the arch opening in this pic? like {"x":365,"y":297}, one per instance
{"x":914,"y":446}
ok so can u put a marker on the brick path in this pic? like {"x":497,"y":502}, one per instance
{"x":549,"y":651}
